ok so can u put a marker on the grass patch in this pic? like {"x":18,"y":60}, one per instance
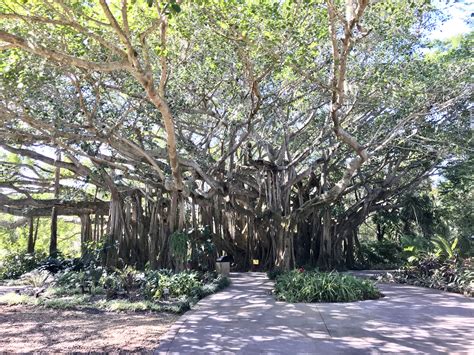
{"x":13,"y":298}
{"x":126,"y":306}
{"x":143,"y":306}
{"x":60,"y":291}
{"x":69,"y":302}
{"x":314,"y":286}
{"x":78,"y":302}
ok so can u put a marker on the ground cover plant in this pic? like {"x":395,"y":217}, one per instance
{"x":441,"y":264}
{"x":116,"y":290}
{"x":450,"y":274}
{"x":315,"y":286}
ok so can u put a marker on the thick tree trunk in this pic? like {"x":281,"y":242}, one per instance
{"x":284,"y":250}
{"x":114,"y":232}
{"x":154,"y":235}
{"x":325,"y":258}
{"x":350,"y":262}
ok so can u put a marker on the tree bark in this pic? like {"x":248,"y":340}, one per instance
{"x":86,"y":233}
{"x":31,"y":241}
{"x":53,"y":242}
{"x":53,"y":245}
{"x":114,"y":231}
{"x":324,"y":259}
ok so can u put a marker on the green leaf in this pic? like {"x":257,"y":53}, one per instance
{"x":176,"y":8}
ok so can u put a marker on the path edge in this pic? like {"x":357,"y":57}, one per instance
{"x":167,"y":338}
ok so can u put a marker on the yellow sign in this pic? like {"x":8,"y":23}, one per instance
{"x":255,"y":261}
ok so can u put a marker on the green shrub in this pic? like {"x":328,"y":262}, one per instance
{"x":80,"y":280}
{"x":186,"y":285}
{"x":14,"y":265}
{"x":209,"y":276}
{"x":138,"y":291}
{"x":383,"y":254}
{"x":274,"y":273}
{"x":56,"y":264}
{"x":181,"y":284}
{"x":85,"y":277}
{"x":444,"y":248}
{"x":122,"y":281}
{"x":315,"y":286}
{"x":437,"y":271}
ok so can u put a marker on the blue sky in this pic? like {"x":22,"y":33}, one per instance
{"x":459,"y":19}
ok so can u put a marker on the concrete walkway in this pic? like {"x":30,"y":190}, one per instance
{"x":245,"y":319}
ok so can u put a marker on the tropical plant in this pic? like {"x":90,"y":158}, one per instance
{"x":444,"y":248}
{"x":429,"y":270}
{"x":37,"y":278}
{"x":315,"y":286}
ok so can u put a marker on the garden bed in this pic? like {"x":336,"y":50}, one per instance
{"x":451,"y":275}
{"x":315,"y":286}
{"x":119,"y":290}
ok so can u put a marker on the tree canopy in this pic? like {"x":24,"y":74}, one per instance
{"x":275,"y":127}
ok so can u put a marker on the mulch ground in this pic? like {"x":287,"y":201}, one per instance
{"x":33,"y":329}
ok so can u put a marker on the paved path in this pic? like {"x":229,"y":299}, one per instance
{"x":245,"y":319}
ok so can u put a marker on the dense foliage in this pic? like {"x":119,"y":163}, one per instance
{"x":14,"y":265}
{"x":383,"y":254}
{"x":442,"y":267}
{"x":450,"y":274}
{"x":314,"y":286}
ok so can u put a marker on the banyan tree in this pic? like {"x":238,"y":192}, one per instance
{"x":266,"y":130}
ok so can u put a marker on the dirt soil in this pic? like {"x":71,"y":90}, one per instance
{"x":32,"y":329}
